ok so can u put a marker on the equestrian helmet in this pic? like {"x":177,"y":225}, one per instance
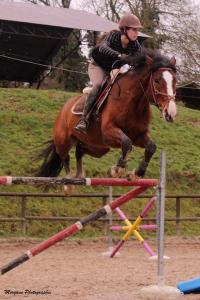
{"x":129,"y":20}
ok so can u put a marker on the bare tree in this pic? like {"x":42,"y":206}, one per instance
{"x":185,"y":43}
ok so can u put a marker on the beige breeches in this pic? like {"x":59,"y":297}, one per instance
{"x":96,"y":74}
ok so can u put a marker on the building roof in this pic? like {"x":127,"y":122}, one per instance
{"x":190,"y":84}
{"x":189,"y":94}
{"x":52,"y":16}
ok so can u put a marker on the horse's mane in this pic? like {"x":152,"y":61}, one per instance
{"x":159,"y":61}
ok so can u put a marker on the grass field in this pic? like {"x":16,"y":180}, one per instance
{"x":26,"y":120}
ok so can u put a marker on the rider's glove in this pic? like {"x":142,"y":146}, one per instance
{"x":123,"y":57}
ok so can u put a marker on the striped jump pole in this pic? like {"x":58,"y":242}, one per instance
{"x":140,"y":227}
{"x":7,"y":180}
{"x":72,"y":229}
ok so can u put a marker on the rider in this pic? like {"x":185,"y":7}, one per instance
{"x":111,"y":52}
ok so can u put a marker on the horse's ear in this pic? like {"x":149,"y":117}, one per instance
{"x":149,"y":60}
{"x":173,"y":61}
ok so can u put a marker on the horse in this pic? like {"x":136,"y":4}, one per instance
{"x":123,"y":120}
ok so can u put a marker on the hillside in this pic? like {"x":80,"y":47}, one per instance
{"x":26,"y":119}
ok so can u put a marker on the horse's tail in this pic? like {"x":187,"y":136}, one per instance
{"x":52,"y":164}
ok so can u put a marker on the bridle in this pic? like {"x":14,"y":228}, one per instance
{"x":154,"y":91}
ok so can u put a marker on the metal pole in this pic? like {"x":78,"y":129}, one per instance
{"x":161,"y":291}
{"x":23,"y":215}
{"x":178,"y":213}
{"x":104,"y":225}
{"x":161,"y":217}
{"x":110,"y":239}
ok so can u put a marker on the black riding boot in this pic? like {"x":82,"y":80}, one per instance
{"x":84,"y":120}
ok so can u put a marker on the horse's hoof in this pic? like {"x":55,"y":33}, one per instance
{"x":131,"y":176}
{"x":68,"y":190}
{"x":116,"y":172}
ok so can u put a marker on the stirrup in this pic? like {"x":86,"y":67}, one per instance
{"x":82,"y":125}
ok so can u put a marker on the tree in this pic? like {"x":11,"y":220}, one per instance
{"x":72,"y":74}
{"x":185,"y":43}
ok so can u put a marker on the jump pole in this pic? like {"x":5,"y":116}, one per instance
{"x":140,"y":227}
{"x":161,"y":291}
{"x":72,"y":229}
{"x":8,"y":180}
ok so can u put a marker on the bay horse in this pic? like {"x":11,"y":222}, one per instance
{"x":123,"y":122}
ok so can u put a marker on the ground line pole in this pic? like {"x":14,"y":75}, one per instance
{"x":161,"y":218}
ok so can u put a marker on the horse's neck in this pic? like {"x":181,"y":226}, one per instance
{"x":139,"y":101}
{"x":129,"y":106}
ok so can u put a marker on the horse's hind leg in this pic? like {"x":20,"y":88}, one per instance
{"x":63,"y":147}
{"x":68,"y":189}
{"x":66,"y":165}
{"x":80,"y":151}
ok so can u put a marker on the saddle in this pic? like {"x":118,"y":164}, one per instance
{"x":102,"y":95}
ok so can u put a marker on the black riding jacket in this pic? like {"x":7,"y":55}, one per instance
{"x":106,"y":53}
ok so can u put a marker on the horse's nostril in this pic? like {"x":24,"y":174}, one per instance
{"x":168,"y":118}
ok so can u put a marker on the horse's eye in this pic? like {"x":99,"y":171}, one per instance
{"x":156,"y":80}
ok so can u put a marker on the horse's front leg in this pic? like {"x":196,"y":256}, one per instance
{"x":115,"y":138}
{"x":150,"y":149}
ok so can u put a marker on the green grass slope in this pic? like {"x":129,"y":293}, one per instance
{"x":26,"y":120}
